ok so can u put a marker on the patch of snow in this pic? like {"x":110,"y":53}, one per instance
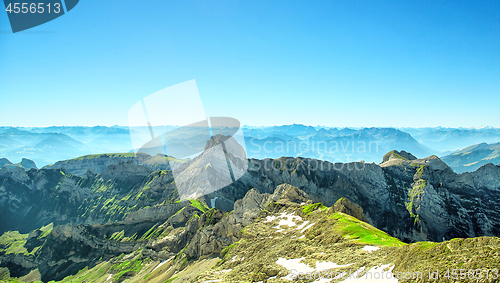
{"x":307,"y":227}
{"x":301,"y":237}
{"x":216,"y":280}
{"x":212,"y":201}
{"x":297,"y":267}
{"x":270,"y":218}
{"x":370,"y":248}
{"x":192,"y":196}
{"x":109,"y":277}
{"x":234,"y":258}
{"x":302,"y":203}
{"x":285,"y":220}
{"x":161,"y":263}
{"x":356,"y":273}
{"x":301,"y":226}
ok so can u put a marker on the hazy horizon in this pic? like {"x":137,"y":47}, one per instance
{"x":342,"y":63}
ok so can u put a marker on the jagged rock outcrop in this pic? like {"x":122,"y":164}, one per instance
{"x":212,"y":239}
{"x":344,"y":205}
{"x":412,"y":199}
{"x":398,"y":155}
{"x":222,"y":161}
{"x":66,"y":249}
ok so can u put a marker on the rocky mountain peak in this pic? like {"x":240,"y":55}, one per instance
{"x":4,"y":161}
{"x":344,"y":205}
{"x":290,"y":193}
{"x":215,"y":140}
{"x":28,"y":164}
{"x":398,"y":155}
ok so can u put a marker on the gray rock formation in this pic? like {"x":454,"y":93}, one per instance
{"x":4,"y":161}
{"x":28,"y":164}
{"x":398,"y":155}
{"x":213,"y":239}
{"x":25,"y":163}
{"x":344,"y":205}
{"x":69,"y":248}
{"x":99,"y":162}
{"x":412,"y":199}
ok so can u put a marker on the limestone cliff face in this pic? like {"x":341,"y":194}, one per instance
{"x":80,"y":166}
{"x":99,"y":162}
{"x":183,"y":230}
{"x":412,"y":199}
{"x":69,"y":248}
{"x":35,"y":198}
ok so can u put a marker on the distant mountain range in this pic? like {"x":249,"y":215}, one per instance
{"x":471,"y":158}
{"x":26,"y":164}
{"x":334,"y":145}
{"x":48,"y":145}
{"x":448,"y":140}
{"x":128,"y":223}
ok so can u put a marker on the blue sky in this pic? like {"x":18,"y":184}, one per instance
{"x":333,"y":63}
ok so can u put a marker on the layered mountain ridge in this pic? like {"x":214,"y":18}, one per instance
{"x":129,"y":207}
{"x":275,"y":238}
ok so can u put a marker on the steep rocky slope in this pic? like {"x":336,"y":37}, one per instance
{"x":270,"y":238}
{"x":132,"y":209}
{"x":37,"y":197}
{"x":412,"y":199}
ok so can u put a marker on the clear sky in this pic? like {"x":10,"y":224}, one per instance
{"x":334,"y":63}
